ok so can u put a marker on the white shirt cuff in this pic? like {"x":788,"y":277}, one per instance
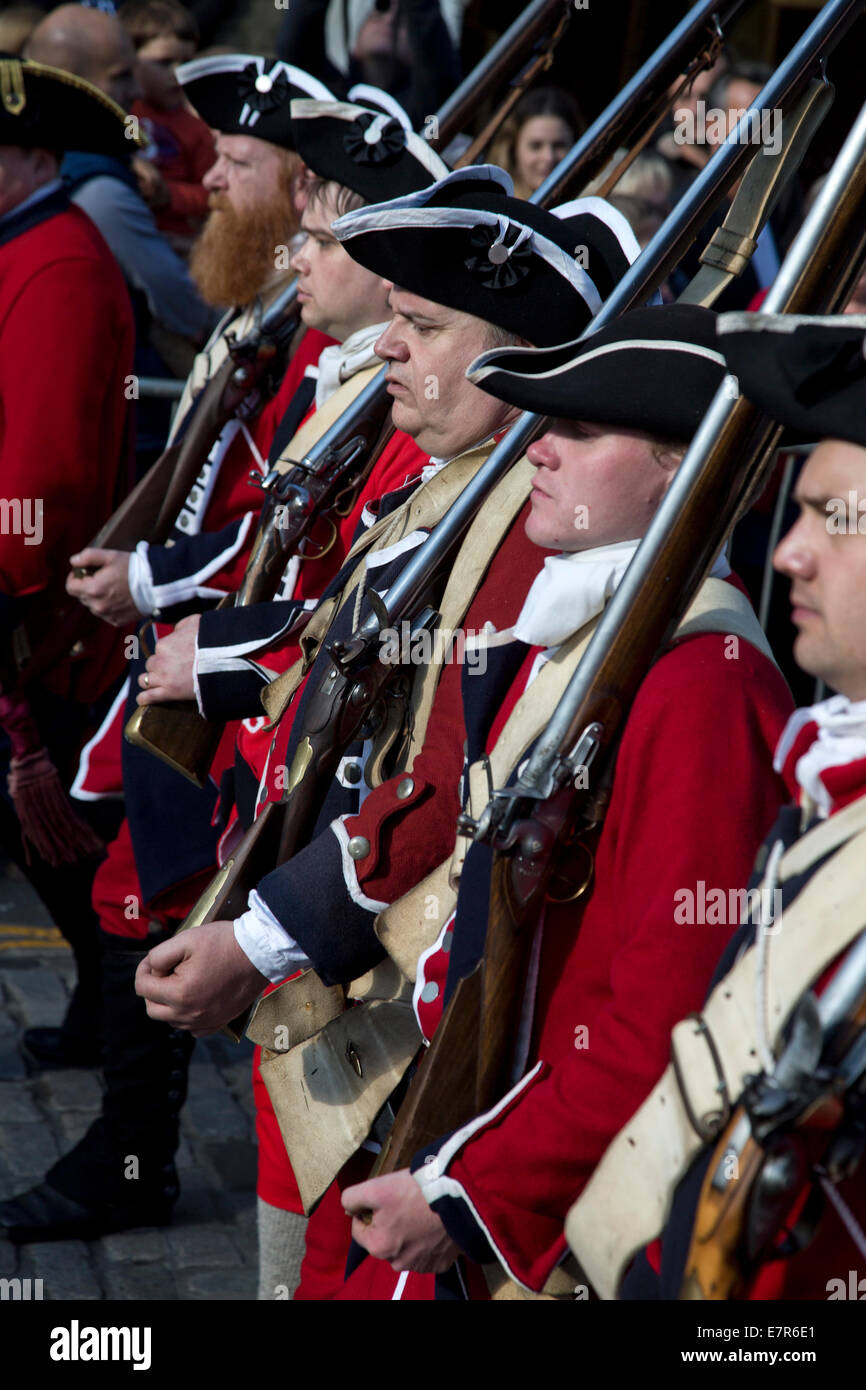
{"x":195,"y":684}
{"x":272,"y":951}
{"x":140,"y":579}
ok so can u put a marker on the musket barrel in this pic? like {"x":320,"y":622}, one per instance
{"x":344,"y":425}
{"x":283,"y":305}
{"x":561,"y":729}
{"x":517,"y":41}
{"x":840,"y":998}
{"x":643,"y":277}
{"x":616,"y":124}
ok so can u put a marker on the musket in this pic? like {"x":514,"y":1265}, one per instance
{"x":353,"y":686}
{"x":806,"y":1116}
{"x":525,"y":49}
{"x":536,"y":825}
{"x":252,"y":367}
{"x":174,"y":731}
{"x":253,"y":361}
{"x":294,"y":502}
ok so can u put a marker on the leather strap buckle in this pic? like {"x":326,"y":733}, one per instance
{"x":709,"y":1125}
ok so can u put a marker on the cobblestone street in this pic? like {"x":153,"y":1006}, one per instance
{"x":209,"y":1251}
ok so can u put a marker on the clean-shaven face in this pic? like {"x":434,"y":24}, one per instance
{"x":542,"y":142}
{"x":594,"y":485}
{"x":428,"y":348}
{"x":337,"y":295}
{"x":824,"y":556}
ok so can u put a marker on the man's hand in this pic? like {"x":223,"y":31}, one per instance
{"x":404,"y":1230}
{"x":168,"y":674}
{"x":106,"y":591}
{"x":200,"y":980}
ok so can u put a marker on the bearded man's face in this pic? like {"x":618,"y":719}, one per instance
{"x":252,"y":216}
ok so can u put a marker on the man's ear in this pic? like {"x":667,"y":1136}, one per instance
{"x":669,"y":456}
{"x":44,"y":163}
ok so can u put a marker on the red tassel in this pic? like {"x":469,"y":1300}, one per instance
{"x":48,"y":821}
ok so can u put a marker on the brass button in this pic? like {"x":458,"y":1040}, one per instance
{"x":359,"y":847}
{"x":405,"y":788}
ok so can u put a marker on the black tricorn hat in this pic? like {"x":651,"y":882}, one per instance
{"x":655,"y":369}
{"x":246,"y":94}
{"x":370,"y":151}
{"x":46,"y":108}
{"x":808,"y":373}
{"x":467,"y":242}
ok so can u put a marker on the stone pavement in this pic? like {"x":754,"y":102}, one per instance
{"x":209,"y":1250}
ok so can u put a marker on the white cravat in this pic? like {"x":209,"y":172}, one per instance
{"x":841,"y":740}
{"x":573,"y":588}
{"x":342,"y":360}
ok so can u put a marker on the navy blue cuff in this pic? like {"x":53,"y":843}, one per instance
{"x":183,"y":560}
{"x":226,"y":695}
{"x":309,"y":896}
{"x":456,"y":1215}
{"x":260,"y":624}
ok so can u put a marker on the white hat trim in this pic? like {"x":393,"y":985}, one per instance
{"x":396,"y":216}
{"x":303,"y":109}
{"x":236,"y":62}
{"x":483,"y":366}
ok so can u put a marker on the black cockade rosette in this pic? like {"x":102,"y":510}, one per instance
{"x":499,"y":262}
{"x":278,"y":92}
{"x":390,"y":140}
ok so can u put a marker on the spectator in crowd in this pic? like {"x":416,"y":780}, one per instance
{"x":642,"y":194}
{"x":17,"y":22}
{"x":685,"y":105}
{"x":165,"y":34}
{"x":403,"y":46}
{"x":95,"y":45}
{"x":539,"y":132}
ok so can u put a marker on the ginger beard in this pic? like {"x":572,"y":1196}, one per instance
{"x":235,"y":255}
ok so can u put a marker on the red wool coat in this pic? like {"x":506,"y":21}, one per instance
{"x":66,"y":343}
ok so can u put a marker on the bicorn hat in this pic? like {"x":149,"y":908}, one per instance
{"x":46,"y":108}
{"x":468,"y":243}
{"x":371,"y":151}
{"x":807,"y":373}
{"x":245,"y":94}
{"x":654,"y":369}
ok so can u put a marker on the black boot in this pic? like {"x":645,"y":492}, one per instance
{"x":121,"y":1174}
{"x":77,"y":1042}
{"x":66,"y":890}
